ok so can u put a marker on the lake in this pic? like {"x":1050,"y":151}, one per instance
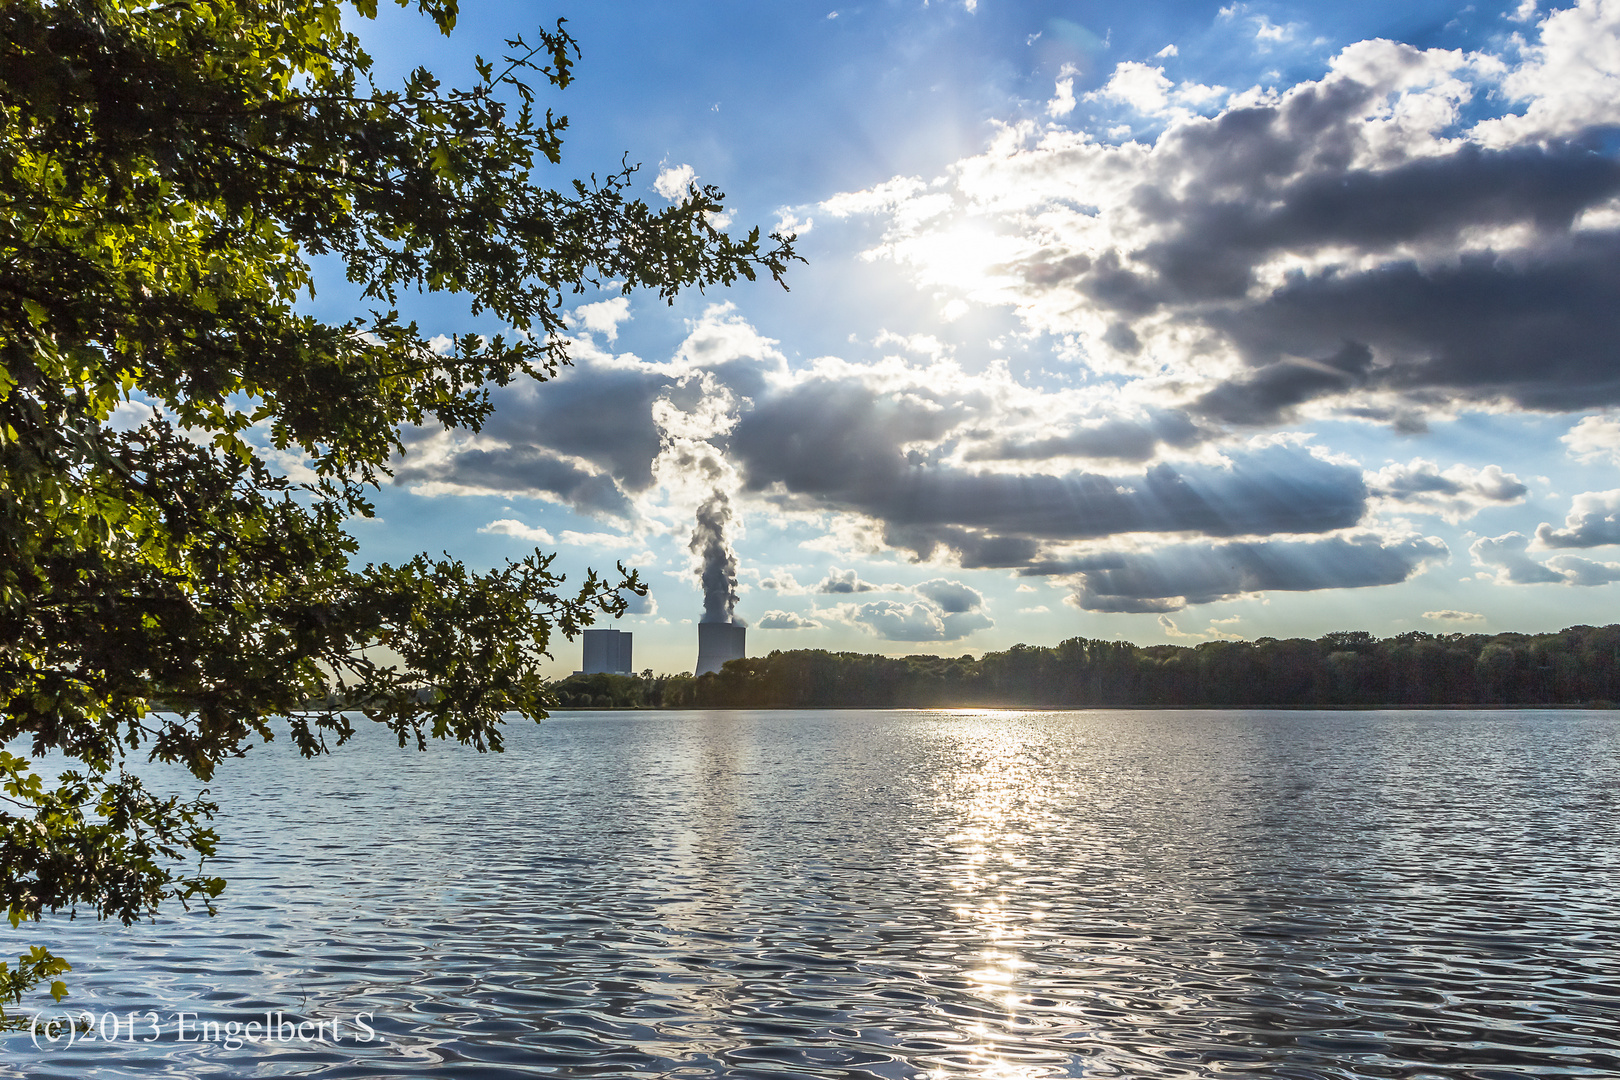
{"x":892,"y":894}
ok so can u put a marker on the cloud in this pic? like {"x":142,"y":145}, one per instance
{"x":640,"y":605}
{"x":1120,"y":438}
{"x":785,"y":620}
{"x":1504,"y":557}
{"x":1457,"y":493}
{"x":1353,"y":244}
{"x":129,"y":415}
{"x":1454,"y":616}
{"x":598,"y":540}
{"x":951,"y":597}
{"x":945,"y":610}
{"x":839,"y":444}
{"x":1594,"y":438}
{"x":1593,"y":521}
{"x":528,"y":471}
{"x":592,"y":437}
{"x":673,"y":181}
{"x":1062,"y":103}
{"x":1146,"y":89}
{"x":848,"y":581}
{"x":512,"y":527}
{"x":1168,"y":625}
{"x":1584,"y":572}
{"x":919,"y":621}
{"x":1171,"y":578}
{"x":782,"y":581}
{"x":604,"y":316}
{"x":1570,"y":79}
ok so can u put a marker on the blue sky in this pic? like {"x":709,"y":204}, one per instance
{"x":1161,"y":321}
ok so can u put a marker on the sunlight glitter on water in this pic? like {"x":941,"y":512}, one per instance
{"x":907,"y":894}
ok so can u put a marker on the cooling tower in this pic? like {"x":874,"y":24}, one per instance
{"x":719,"y":642}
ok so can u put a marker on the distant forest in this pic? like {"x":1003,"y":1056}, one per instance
{"x":1577,"y":666}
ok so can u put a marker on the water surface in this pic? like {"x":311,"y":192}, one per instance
{"x":900,"y":894}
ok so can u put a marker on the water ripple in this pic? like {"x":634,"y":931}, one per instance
{"x":901,"y":894}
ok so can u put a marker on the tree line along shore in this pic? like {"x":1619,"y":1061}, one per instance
{"x":1578,"y":666}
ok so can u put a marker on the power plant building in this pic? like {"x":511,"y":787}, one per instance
{"x":719,"y":642}
{"x":607,"y":651}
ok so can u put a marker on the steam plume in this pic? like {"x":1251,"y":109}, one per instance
{"x":719,"y":562}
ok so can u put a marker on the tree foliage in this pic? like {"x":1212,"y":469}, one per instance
{"x":181,"y":446}
{"x":1577,"y":666}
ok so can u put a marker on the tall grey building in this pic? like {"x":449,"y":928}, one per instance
{"x":609,"y":651}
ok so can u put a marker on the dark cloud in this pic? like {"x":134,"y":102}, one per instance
{"x":1121,"y":439}
{"x":823,"y":445}
{"x":599,"y":414}
{"x":1408,"y":265}
{"x":1266,"y":396}
{"x":1172,"y":578}
{"x":526,"y":470}
{"x":1219,"y":241}
{"x":1539,"y":330}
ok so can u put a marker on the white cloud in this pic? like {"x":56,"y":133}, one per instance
{"x":1449,"y":615}
{"x":512,"y":527}
{"x":1143,"y":88}
{"x":1038,"y":609}
{"x":604,"y":316}
{"x":1585,"y":572}
{"x":1457,"y":493}
{"x":785,"y":620}
{"x":1594,"y":438}
{"x":673,"y":181}
{"x":129,"y":415}
{"x":920,"y":621}
{"x":1570,"y":78}
{"x":1062,"y":103}
{"x":789,"y":223}
{"x":612,"y":541}
{"x":885,"y":196}
{"x":1268,"y":31}
{"x":782,"y":581}
{"x":1167,"y":51}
